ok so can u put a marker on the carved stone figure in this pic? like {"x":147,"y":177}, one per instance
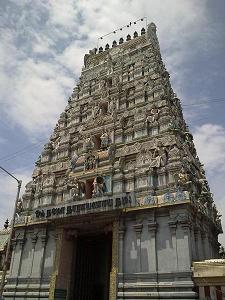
{"x":173,"y":125}
{"x":90,"y":162}
{"x":105,"y":140}
{"x":98,"y":185}
{"x":109,"y":64}
{"x":153,"y":116}
{"x":203,"y":186}
{"x":111,"y":107}
{"x":143,"y":157}
{"x":188,"y":140}
{"x":75,"y":187}
{"x":48,"y":146}
{"x":88,"y":144}
{"x":182,"y":178}
{"x":216,"y":216}
{"x":38,"y":181}
{"x":117,"y":82}
{"x":48,"y":179}
{"x":74,"y":191}
{"x":174,"y":152}
{"x":104,"y":90}
{"x":74,"y":161}
{"x":159,"y":156}
{"x":95,"y":111}
{"x":111,"y":152}
{"x":38,"y":161}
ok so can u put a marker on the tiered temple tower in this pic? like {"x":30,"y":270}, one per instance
{"x":119,"y":206}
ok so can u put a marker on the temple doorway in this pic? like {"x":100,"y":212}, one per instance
{"x":92,"y":267}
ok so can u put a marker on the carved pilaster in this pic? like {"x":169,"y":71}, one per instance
{"x":21,"y":242}
{"x":152,"y":228}
{"x":203,"y":240}
{"x":173,"y":229}
{"x":17,"y":257}
{"x":114,"y":270}
{"x":58,"y":242}
{"x":44,"y":239}
{"x":173,"y":226}
{"x":138,"y":230}
{"x":196,"y":236}
{"x":193,"y":244}
{"x":187,"y":257}
{"x":34,"y":241}
{"x":122,"y":231}
{"x":186,"y":227}
{"x":13,"y":244}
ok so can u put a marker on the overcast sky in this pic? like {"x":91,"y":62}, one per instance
{"x":41,"y":55}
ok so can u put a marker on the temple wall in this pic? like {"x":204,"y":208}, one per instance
{"x":157,"y":249}
{"x":32,"y":264}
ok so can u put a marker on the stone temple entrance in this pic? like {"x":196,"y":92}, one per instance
{"x":91,"y":272}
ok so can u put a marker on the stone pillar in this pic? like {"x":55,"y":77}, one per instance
{"x":152,"y":228}
{"x":58,"y":243}
{"x":199,"y":243}
{"x":121,"y":249}
{"x":38,"y":263}
{"x":193,"y":244}
{"x":66,"y":259}
{"x":138,"y":230}
{"x":114,"y":270}
{"x":185,"y":254}
{"x":13,"y":244}
{"x":207,"y":245}
{"x":196,"y":243}
{"x":19,"y":244}
{"x":173,"y":230}
{"x":204,"y":245}
{"x":34,"y":239}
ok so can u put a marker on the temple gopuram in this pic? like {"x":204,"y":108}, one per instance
{"x":119,"y":206}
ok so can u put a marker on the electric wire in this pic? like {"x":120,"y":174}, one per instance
{"x":211,"y":101}
{"x":21,"y":151}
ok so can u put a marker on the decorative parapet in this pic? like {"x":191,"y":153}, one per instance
{"x":210,"y":271}
{"x":167,"y":198}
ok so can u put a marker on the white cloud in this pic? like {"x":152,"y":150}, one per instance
{"x":35,"y":88}
{"x":38,"y":95}
{"x":210,"y":143}
{"x":72,"y":58}
{"x":62,"y":13}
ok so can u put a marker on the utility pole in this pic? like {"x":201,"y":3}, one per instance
{"x":5,"y":262}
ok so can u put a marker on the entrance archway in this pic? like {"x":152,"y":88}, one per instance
{"x":91,"y":274}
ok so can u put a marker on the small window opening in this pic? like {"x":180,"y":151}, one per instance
{"x":97,"y":141}
{"x":89,"y":188}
